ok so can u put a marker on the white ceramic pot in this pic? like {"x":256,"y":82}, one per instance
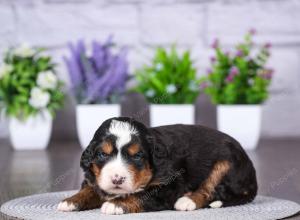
{"x":243,"y":122}
{"x":165,"y":114}
{"x":90,"y":117}
{"x":3,"y":125}
{"x":32,"y":134}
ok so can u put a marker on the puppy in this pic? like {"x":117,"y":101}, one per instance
{"x":130,"y":168}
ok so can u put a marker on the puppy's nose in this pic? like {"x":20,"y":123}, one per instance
{"x":118,"y":180}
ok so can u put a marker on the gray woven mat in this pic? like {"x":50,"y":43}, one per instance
{"x":43,"y":206}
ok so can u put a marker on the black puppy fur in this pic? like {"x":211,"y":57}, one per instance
{"x":185,"y":160}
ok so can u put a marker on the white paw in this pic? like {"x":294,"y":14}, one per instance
{"x":185,"y":204}
{"x":111,"y":209}
{"x":216,"y":204}
{"x":66,"y":207}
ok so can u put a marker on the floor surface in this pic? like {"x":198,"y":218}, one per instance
{"x":24,"y":173}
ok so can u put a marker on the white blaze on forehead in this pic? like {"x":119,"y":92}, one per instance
{"x":123,"y":131}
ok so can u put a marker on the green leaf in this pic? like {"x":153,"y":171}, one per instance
{"x":168,"y":69}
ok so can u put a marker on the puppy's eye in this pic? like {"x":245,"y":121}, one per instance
{"x":138,"y":156}
{"x":102,"y":155}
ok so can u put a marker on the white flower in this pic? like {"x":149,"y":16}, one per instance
{"x":39,"y":98}
{"x":159,"y":67}
{"x":5,"y":69}
{"x":150,"y":93}
{"x":47,"y":80}
{"x":24,"y":51}
{"x":193,"y":86}
{"x":171,"y":88}
{"x":251,"y":82}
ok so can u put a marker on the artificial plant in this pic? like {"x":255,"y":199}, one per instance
{"x":241,"y":76}
{"x":170,"y":78}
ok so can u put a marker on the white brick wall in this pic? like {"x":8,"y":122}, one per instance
{"x":191,"y":24}
{"x":276,"y":20}
{"x":286,"y":62}
{"x":166,"y":24}
{"x":64,"y":22}
{"x":281,"y":116}
{"x":7,"y":25}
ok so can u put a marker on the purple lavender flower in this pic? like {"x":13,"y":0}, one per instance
{"x":252,"y":31}
{"x":215,"y":44}
{"x":98,"y":77}
{"x":74,"y":66}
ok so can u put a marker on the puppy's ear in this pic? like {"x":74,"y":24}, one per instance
{"x":87,"y":156}
{"x":88,"y":153}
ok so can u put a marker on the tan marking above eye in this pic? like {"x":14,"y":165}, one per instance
{"x":133,"y":149}
{"x":107,"y":147}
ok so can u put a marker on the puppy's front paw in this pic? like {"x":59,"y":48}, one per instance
{"x":111,"y":209}
{"x":216,"y":204}
{"x":66,"y":206}
{"x":185,"y":204}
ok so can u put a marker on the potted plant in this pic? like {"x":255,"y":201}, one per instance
{"x":170,"y":84}
{"x":31,"y":93}
{"x":238,"y":83}
{"x":98,"y":81}
{"x":3,"y":121}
